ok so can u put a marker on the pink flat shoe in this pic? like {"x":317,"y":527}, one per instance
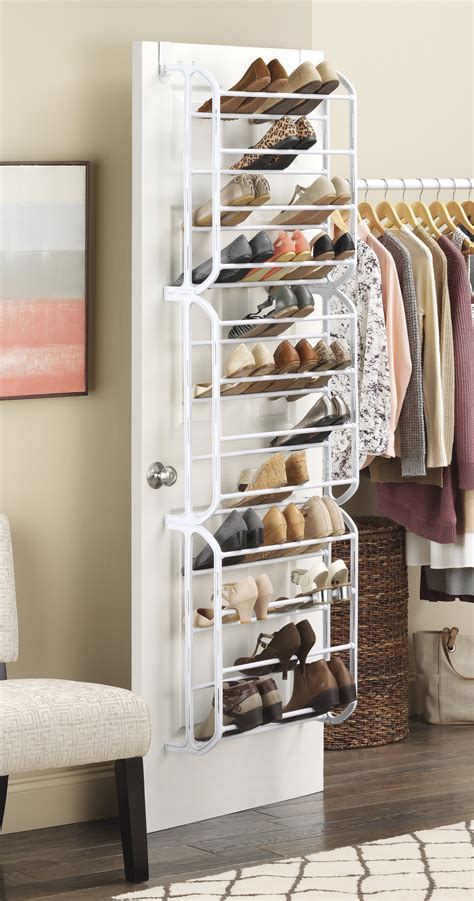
{"x":284,"y":250}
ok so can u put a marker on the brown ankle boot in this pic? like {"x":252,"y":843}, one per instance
{"x":316,"y":688}
{"x":272,"y":706}
{"x":345,"y":682}
{"x":242,"y":707}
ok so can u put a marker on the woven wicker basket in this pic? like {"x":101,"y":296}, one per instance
{"x":381,"y":716}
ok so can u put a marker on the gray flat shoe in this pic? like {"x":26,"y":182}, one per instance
{"x":283,"y":303}
{"x":321,"y":414}
{"x":239,"y":251}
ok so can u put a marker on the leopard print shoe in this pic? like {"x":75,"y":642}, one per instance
{"x":283,"y":135}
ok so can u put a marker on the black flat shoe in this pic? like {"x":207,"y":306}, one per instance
{"x":239,"y":251}
{"x":323,"y":248}
{"x":343,"y":247}
{"x":231,"y":536}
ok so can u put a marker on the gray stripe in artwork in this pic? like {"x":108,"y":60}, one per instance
{"x":42,"y":226}
{"x":35,"y":276}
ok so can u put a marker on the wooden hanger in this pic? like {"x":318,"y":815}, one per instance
{"x":423,"y":214}
{"x":367,"y":211}
{"x":386,"y":210}
{"x":464,"y":209}
{"x":340,"y":221}
{"x":405,"y":212}
{"x":440,"y":213}
{"x":468,"y":207}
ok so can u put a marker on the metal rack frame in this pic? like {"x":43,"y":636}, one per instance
{"x":191,"y":521}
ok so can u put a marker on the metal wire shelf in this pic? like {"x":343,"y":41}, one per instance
{"x":192,"y":521}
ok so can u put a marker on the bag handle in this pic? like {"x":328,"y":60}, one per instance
{"x":448,"y":639}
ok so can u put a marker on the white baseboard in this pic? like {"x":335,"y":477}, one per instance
{"x":56,"y":797}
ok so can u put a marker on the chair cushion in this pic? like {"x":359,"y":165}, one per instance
{"x":47,"y":723}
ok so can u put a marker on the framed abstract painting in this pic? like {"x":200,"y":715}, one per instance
{"x":43,"y":279}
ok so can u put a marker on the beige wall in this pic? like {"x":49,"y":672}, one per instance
{"x":411,"y":64}
{"x":65,"y":462}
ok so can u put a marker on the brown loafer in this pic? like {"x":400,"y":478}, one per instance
{"x":278,"y":83}
{"x":256,"y":78}
{"x":308,"y":361}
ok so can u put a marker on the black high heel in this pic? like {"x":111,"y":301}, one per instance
{"x":231,"y":535}
{"x":255,"y":529}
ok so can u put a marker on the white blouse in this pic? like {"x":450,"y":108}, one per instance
{"x":364,"y":288}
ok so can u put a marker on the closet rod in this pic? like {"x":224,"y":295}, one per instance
{"x":415,"y":184}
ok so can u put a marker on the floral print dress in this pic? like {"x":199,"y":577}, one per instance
{"x":364,"y":288}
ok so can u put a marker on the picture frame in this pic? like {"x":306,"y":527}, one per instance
{"x":44,"y":279}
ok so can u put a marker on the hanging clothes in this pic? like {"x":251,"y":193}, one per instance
{"x":440,"y":271}
{"x":423,"y":552}
{"x":447,"y":585}
{"x":398,"y":346}
{"x":429,"y":329}
{"x":411,"y":422}
{"x":364,"y":289}
{"x":458,"y":238}
{"x":427,"y":510}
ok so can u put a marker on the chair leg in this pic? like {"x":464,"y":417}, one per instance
{"x":3,"y":797}
{"x":132,"y":815}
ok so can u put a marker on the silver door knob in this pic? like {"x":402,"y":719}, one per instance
{"x":158,"y":475}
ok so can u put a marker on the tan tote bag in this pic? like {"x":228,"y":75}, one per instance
{"x":444,"y":664}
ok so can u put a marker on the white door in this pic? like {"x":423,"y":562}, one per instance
{"x":255,"y":769}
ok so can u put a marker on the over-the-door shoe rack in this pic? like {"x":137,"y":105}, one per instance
{"x":192,"y":521}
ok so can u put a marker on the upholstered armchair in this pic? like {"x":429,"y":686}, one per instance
{"x":48,"y":723}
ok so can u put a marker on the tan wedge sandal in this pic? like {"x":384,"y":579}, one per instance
{"x":271,"y":474}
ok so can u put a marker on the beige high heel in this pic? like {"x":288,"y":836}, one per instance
{"x":295,"y":526}
{"x":275,"y":527}
{"x":335,"y":513}
{"x":241,"y":596}
{"x":317,"y":522}
{"x":294,"y":520}
{"x":265,"y":593}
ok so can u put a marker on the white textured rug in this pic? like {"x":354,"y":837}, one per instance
{"x":431,"y":865}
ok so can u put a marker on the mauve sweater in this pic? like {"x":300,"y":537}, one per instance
{"x":428,"y":510}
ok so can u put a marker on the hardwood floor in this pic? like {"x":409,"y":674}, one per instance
{"x":422,"y":782}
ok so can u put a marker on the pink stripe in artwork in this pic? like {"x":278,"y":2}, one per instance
{"x":41,"y":323}
{"x":42,"y":370}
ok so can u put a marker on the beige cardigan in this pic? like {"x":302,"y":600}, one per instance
{"x":440,"y":267}
{"x":429,"y":327}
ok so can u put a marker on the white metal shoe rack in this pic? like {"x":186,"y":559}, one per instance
{"x":192,"y":520}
